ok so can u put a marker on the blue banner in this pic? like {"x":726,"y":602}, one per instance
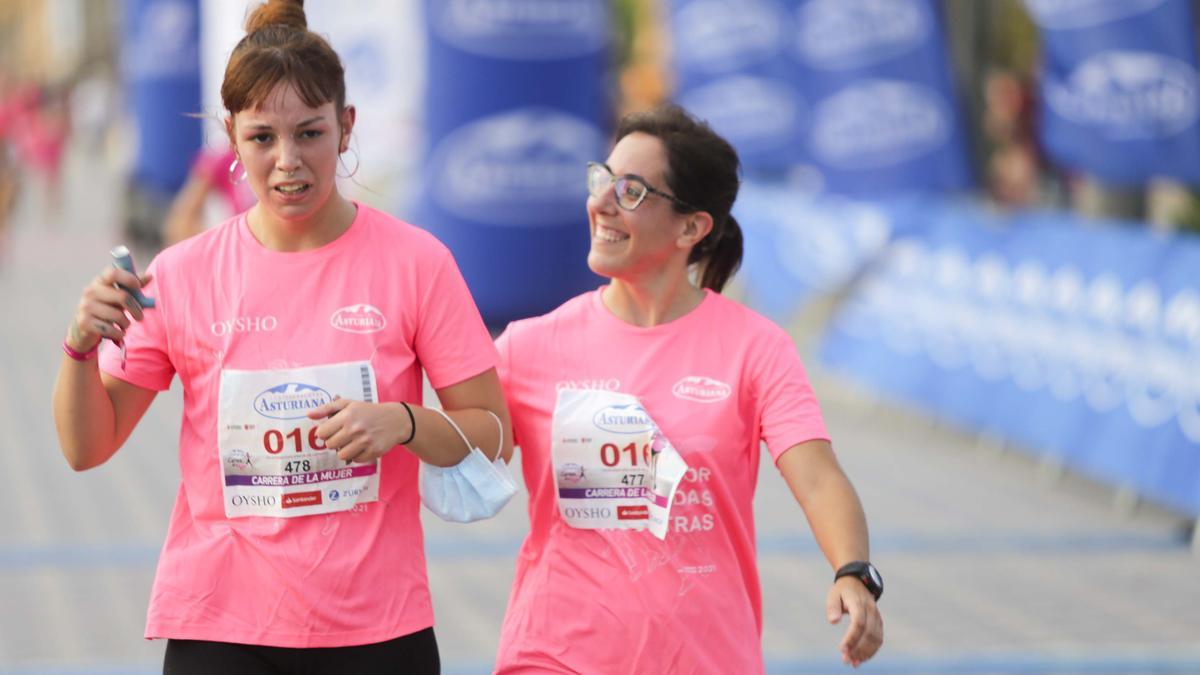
{"x":1120,"y":90}
{"x":797,"y":246}
{"x":1076,"y":341}
{"x":160,"y":61}
{"x":853,"y":96}
{"x":515,"y":108}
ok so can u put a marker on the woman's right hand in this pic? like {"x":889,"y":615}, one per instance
{"x":104,"y":310}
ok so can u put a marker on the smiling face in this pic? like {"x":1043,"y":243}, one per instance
{"x":631,"y":245}
{"x":290,"y":152}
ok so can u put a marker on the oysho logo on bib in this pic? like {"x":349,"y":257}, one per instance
{"x":623,"y":419}
{"x":290,"y":400}
{"x":701,"y":389}
{"x":358,"y":319}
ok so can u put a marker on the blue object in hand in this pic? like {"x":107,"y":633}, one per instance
{"x":123,"y":260}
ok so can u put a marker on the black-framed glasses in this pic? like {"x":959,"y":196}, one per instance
{"x":631,"y":189}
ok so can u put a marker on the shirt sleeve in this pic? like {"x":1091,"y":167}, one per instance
{"x":788,"y":410}
{"x":504,"y":346}
{"x":451,"y":342}
{"x":147,"y":362}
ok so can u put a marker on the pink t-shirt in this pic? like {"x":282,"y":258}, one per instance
{"x":225,"y":301}
{"x":716,"y":381}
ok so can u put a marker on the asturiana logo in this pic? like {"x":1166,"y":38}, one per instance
{"x":358,"y":319}
{"x":531,"y":30}
{"x":879,"y":123}
{"x":628,"y":418}
{"x":841,"y":34}
{"x":717,"y":36}
{"x":533,"y":152}
{"x":290,"y":400}
{"x":755,"y":113}
{"x":1067,"y":14}
{"x":1128,"y":94}
{"x":701,"y":389}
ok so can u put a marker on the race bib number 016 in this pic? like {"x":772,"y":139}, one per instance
{"x":272,"y":461}
{"x":612,"y":466}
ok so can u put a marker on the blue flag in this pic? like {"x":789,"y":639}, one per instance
{"x":1120,"y":92}
{"x":855,"y":96}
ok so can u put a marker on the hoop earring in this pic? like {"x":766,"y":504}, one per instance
{"x":357,"y":162}
{"x":233,"y":169}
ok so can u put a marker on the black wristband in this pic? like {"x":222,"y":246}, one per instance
{"x":864,"y":572}
{"x":412,"y":423}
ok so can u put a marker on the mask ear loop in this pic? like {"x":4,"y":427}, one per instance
{"x":499,"y":426}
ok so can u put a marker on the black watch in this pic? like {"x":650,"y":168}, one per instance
{"x":864,"y":572}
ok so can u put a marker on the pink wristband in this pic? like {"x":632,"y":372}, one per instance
{"x":80,"y":356}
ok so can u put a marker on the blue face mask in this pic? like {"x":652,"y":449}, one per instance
{"x":474,"y":489}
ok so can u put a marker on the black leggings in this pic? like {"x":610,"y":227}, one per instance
{"x":414,"y":654}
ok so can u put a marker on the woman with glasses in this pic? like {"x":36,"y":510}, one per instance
{"x":300,"y":330}
{"x":639,"y":409}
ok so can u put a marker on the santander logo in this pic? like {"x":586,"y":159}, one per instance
{"x":358,"y":319}
{"x":701,"y":389}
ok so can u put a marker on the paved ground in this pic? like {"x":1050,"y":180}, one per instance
{"x":993,"y":564}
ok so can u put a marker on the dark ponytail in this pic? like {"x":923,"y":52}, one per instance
{"x":702,"y":170}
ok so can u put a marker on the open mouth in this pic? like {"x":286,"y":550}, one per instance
{"x":609,"y":235}
{"x":293,"y":189}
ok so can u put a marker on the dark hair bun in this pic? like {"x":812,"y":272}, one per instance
{"x":289,"y":13}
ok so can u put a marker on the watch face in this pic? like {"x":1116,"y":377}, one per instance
{"x":875,"y":578}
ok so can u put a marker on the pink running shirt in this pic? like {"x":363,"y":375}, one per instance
{"x":224,"y":301}
{"x":716,"y":381}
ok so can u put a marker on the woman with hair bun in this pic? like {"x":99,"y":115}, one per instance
{"x":299,"y":331}
{"x":639,"y":409}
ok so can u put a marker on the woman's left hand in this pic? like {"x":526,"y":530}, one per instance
{"x":361,"y":432}
{"x":864,"y":635}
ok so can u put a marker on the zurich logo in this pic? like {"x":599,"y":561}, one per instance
{"x":841,"y":34}
{"x":333,"y":495}
{"x":519,"y":168}
{"x":879,"y":123}
{"x":528,"y":30}
{"x":1126,"y":95}
{"x":753,"y":113}
{"x":358,"y":319}
{"x":290,"y":400}
{"x":1068,"y":14}
{"x":717,"y":36}
{"x":629,"y":418}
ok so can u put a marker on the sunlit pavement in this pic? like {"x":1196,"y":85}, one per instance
{"x":993,"y":564}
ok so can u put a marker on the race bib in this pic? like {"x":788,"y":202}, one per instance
{"x":272,"y":461}
{"x":612,"y":466}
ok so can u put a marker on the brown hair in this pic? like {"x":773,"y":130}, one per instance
{"x":278,"y":47}
{"x":702,"y":170}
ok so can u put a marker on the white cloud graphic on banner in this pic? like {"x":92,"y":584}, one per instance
{"x":521,"y":167}
{"x":718,"y":36}
{"x":879,"y":123}
{"x":1068,"y":14}
{"x":1128,"y":95}
{"x":523,"y":29}
{"x":842,"y":34}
